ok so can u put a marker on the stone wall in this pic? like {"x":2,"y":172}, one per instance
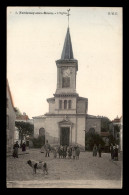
{"x":52,"y":107}
{"x":81,"y":122}
{"x":81,"y":106}
{"x":38,"y":123}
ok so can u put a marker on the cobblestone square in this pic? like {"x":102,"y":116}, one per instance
{"x":87,"y":172}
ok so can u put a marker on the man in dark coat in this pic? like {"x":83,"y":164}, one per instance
{"x":99,"y":150}
{"x":64,"y":151}
{"x":116,"y":152}
{"x":112,"y":152}
{"x":69,"y":150}
{"x":47,"y":148}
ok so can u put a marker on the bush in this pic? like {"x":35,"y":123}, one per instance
{"x":38,"y":142}
{"x":93,"y":138}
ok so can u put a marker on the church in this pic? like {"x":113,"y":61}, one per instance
{"x":67,"y":121}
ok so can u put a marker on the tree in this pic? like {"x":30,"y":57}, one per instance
{"x":116,"y":128}
{"x":24,"y":128}
{"x":17,"y":111}
{"x":93,"y":138}
{"x":38,"y":142}
{"x":105,"y":124}
{"x":111,"y":139}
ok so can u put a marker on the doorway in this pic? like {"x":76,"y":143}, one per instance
{"x":64,"y":136}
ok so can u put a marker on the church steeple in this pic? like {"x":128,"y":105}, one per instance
{"x":67,"y":52}
{"x":67,"y":68}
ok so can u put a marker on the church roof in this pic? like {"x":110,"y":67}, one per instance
{"x":40,"y":116}
{"x":93,"y":117}
{"x":82,"y":98}
{"x":67,"y":52}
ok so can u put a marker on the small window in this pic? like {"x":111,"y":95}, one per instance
{"x":60,"y":104}
{"x":69,"y":104}
{"x":41,"y":132}
{"x":65,"y":104}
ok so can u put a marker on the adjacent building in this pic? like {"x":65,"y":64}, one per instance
{"x":116,"y":128}
{"x":10,"y":119}
{"x":121,"y":133}
{"x":22,"y":118}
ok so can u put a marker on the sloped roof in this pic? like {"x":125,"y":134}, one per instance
{"x":67,"y":52}
{"x":8,"y":88}
{"x":92,"y":116}
{"x":22,"y":117}
{"x":117,"y":120}
{"x":40,"y":116}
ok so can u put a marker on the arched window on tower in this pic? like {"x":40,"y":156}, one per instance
{"x":41,"y":132}
{"x":92,"y":130}
{"x":65,"y":104}
{"x":69,"y":104}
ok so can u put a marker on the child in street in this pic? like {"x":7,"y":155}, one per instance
{"x":77,"y":152}
{"x":73,"y":152}
{"x":55,"y":152}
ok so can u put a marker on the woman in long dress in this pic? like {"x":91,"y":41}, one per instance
{"x":23,"y":147}
{"x":15,"y":150}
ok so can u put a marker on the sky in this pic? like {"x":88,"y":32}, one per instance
{"x":35,"y":38}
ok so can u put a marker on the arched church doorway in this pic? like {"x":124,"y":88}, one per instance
{"x":42,"y":134}
{"x":92,"y":130}
{"x":64,"y":136}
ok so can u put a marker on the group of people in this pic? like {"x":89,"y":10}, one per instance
{"x":114,"y":149}
{"x":67,"y":151}
{"x":15,"y":149}
{"x":97,"y":149}
{"x":62,"y":151}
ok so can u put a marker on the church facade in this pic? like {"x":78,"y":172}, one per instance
{"x":67,"y":121}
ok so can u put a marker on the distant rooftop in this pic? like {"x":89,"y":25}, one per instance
{"x":22,"y":117}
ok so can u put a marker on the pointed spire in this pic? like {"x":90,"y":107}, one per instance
{"x":67,"y":52}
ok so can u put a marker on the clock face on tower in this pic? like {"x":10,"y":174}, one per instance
{"x":66,"y":72}
{"x":65,"y":77}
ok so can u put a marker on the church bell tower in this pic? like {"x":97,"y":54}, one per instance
{"x":67,"y":68}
